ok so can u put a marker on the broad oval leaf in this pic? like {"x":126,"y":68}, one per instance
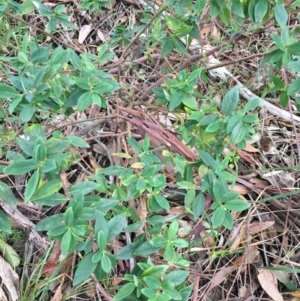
{"x":85,"y":268}
{"x":84,"y":187}
{"x":218,"y":217}
{"x":237,"y":205}
{"x":230,"y":101}
{"x":115,"y":226}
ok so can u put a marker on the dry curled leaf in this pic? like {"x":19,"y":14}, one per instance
{"x":268,"y":282}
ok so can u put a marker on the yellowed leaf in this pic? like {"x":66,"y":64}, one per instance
{"x":122,"y":155}
{"x":137,"y":165}
{"x":268,"y":282}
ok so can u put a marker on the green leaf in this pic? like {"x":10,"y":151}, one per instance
{"x":237,"y":205}
{"x":6,"y":195}
{"x":69,"y":217}
{"x":162,"y":202}
{"x":279,"y":42}
{"x":238,"y":133}
{"x":77,"y":141}
{"x":127,"y":251}
{"x":294,"y":87}
{"x":66,"y":242}
{"x":252,"y":104}
{"x":52,"y":200}
{"x":145,"y":249}
{"x":27,"y":112}
{"x":124,"y":292}
{"x":32,"y":185}
{"x":208,"y":119}
{"x":157,"y":270}
{"x":214,"y":127}
{"x":4,"y":223}
{"x":260,"y":10}
{"x":190,"y":102}
{"x":49,"y":222}
{"x":102,"y":240}
{"x":84,"y":188}
{"x":208,"y":159}
{"x":170,"y":253}
{"x":148,"y":292}
{"x":115,"y":226}
{"x":47,"y":189}
{"x":175,"y":100}
{"x":84,"y":101}
{"x":18,"y":168}
{"x":85,"y":268}
{"x":8,"y":252}
{"x":173,"y":229}
{"x":237,"y":7}
{"x":281,"y":14}
{"x":228,"y":220}
{"x":294,"y":49}
{"x":284,"y":99}
{"x":180,"y":243}
{"x":168,"y":45}
{"x":106,"y":263}
{"x":177,"y":277}
{"x":198,"y":205}
{"x":8,"y":92}
{"x":218,"y":217}
{"x":152,"y":282}
{"x":230,"y":101}
{"x":134,"y":144}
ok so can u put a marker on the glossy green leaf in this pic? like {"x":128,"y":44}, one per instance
{"x":106,"y":263}
{"x":173,"y":229}
{"x":66,"y":242}
{"x":294,"y":87}
{"x":281,"y":14}
{"x":102,"y":240}
{"x":260,"y":10}
{"x":207,"y":159}
{"x":294,"y":49}
{"x":124,"y":292}
{"x":127,"y":251}
{"x":162,"y":202}
{"x":214,"y":127}
{"x":175,"y":100}
{"x":85,"y":268}
{"x":115,"y":226}
{"x":284,"y":99}
{"x":218,"y":217}
{"x":27,"y":112}
{"x":6,"y":195}
{"x":47,"y":189}
{"x":84,"y":188}
{"x":177,"y":277}
{"x":237,"y":205}
{"x":230,"y":101}
{"x":17,"y":168}
{"x":7,"y":92}
{"x":238,"y":133}
{"x":134,"y":144}
{"x":198,"y":205}
{"x":208,"y":119}
{"x":32,"y":185}
{"x":84,"y":101}
{"x":69,"y":217}
{"x":49,"y":222}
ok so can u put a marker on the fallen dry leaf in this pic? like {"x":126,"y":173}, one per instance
{"x":268,"y":282}
{"x":84,"y":32}
{"x":58,"y":293}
